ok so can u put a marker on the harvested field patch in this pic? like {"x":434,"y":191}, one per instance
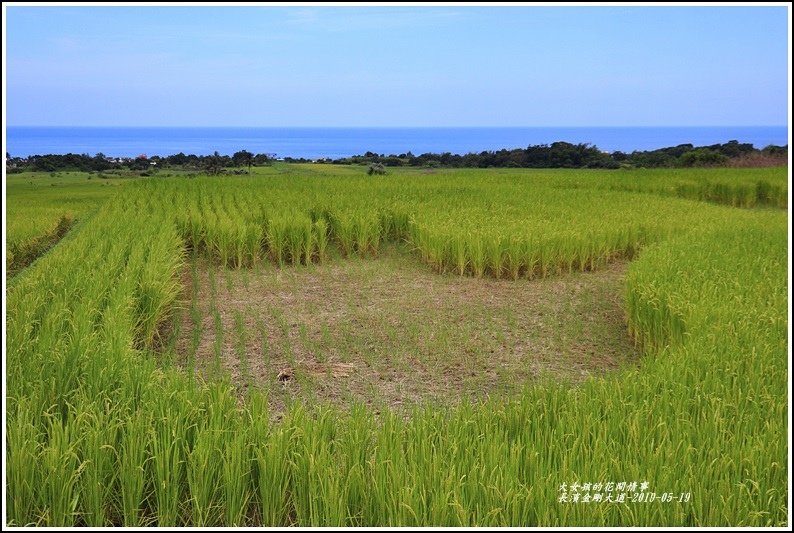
{"x":389,"y":331}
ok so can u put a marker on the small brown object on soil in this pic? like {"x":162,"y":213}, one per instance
{"x":286,"y":374}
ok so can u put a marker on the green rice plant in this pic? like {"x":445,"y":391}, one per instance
{"x":435,"y":251}
{"x":24,"y":476}
{"x":264,"y":342}
{"x":235,"y":478}
{"x":459,"y":258}
{"x":131,"y":468}
{"x":569,"y":253}
{"x":226,"y":242}
{"x":547,"y":258}
{"x":309,"y":246}
{"x":318,"y":496}
{"x":204,"y":478}
{"x":197,"y":232}
{"x":343,"y":229}
{"x":367,"y":233}
{"x":271,"y":450}
{"x":197,"y":325}
{"x":421,"y":242}
{"x":530,"y":257}
{"x":320,"y":238}
{"x":240,"y":345}
{"x":98,"y":481}
{"x":276,"y":238}
{"x":251,"y":244}
{"x":493,"y":253}
{"x":284,"y":325}
{"x":396,"y":221}
{"x":61,"y":475}
{"x":768,"y":193}
{"x":168,"y":459}
{"x":477,"y":255}
{"x":512,"y":256}
{"x":356,"y":446}
{"x":217,"y":345}
{"x":229,"y":278}
{"x":300,"y":244}
{"x":158,"y":285}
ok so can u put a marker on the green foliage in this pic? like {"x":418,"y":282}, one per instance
{"x":568,"y":155}
{"x":214,"y":164}
{"x":243,"y":158}
{"x":703,"y":157}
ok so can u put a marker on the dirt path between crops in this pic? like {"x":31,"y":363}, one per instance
{"x":38,"y":247}
{"x":388,"y":331}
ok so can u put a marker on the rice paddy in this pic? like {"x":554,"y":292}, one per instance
{"x":213,"y":351}
{"x":44,"y":206}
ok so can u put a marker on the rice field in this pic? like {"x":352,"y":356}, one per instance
{"x":44,"y":206}
{"x":109,"y":423}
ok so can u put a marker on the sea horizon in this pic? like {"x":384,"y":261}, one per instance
{"x":314,"y":142}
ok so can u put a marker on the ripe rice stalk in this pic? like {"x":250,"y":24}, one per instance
{"x":344,"y":231}
{"x":512,"y":258}
{"x":477,"y":255}
{"x":320,"y":232}
{"x":276,"y":234}
{"x":458,"y":250}
{"x":493,"y":252}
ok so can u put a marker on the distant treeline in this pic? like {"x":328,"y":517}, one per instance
{"x":557,"y":155}
{"x":567,"y":155}
{"x":213,"y":164}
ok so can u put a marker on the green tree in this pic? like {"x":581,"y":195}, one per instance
{"x":703,"y":157}
{"x":214,"y":164}
{"x":243,"y":158}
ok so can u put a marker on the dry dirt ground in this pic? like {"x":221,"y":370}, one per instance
{"x":388,"y":331}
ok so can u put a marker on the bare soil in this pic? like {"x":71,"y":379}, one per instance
{"x":387,"y":331}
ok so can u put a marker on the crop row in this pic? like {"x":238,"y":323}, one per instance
{"x":508,"y":236}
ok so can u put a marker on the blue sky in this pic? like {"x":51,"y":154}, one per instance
{"x":396,"y":66}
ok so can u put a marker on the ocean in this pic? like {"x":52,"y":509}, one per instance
{"x":314,"y":143}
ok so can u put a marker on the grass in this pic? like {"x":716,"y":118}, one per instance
{"x":704,"y":411}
